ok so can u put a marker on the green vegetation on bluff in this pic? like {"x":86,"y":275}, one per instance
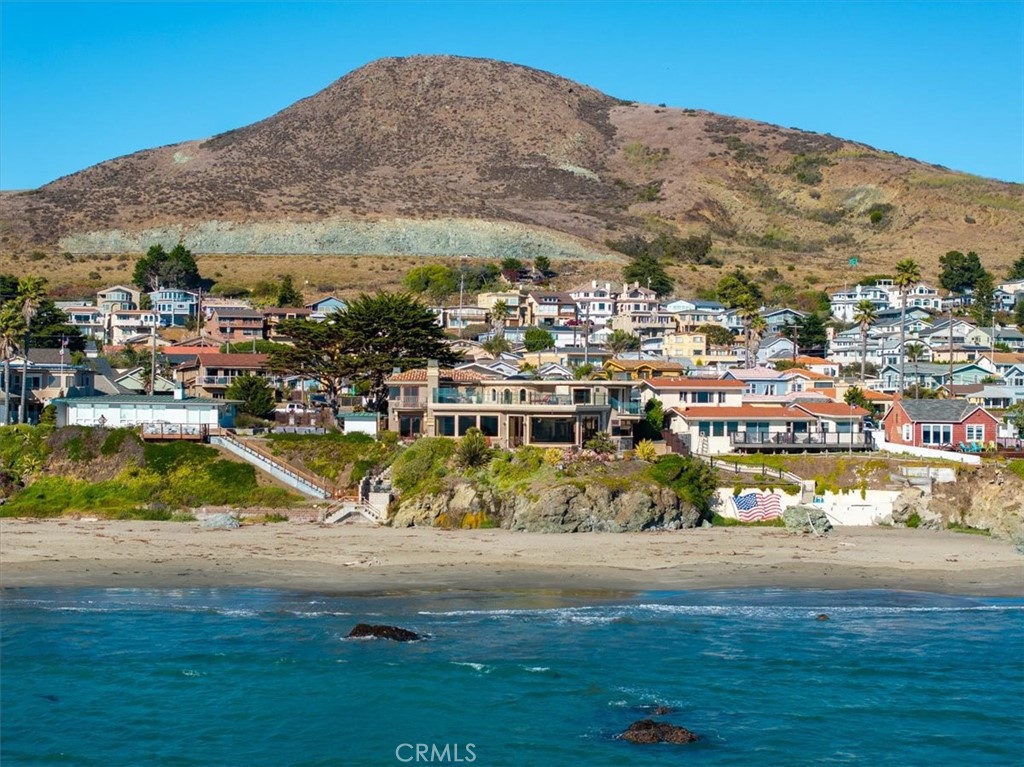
{"x":344,"y":459}
{"x":423,"y":467}
{"x":112,"y":473}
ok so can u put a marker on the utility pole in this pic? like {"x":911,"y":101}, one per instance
{"x":152,"y":361}
{"x":949,"y":316}
{"x":462,"y":289}
{"x":24,"y":379}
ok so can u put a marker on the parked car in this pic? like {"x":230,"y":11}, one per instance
{"x":291,"y":407}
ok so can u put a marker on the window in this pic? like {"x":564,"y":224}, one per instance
{"x":466,"y":422}
{"x":721,"y":397}
{"x":702,"y":397}
{"x":489,"y":425}
{"x":936,"y":434}
{"x":975,"y":432}
{"x":717,"y":429}
{"x":446,"y":426}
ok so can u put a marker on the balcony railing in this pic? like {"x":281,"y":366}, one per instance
{"x":844,"y":439}
{"x":533,"y":399}
{"x":628,"y":408}
{"x":409,"y":403}
{"x":223,"y":380}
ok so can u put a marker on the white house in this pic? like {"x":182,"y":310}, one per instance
{"x":154,"y":414}
{"x":843,"y":304}
{"x":596,"y":302}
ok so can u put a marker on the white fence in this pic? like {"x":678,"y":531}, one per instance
{"x":924,"y":452}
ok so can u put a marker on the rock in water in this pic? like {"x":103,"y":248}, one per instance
{"x":383,"y":632}
{"x":650,"y":731}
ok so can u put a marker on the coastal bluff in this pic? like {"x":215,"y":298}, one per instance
{"x":568,"y":507}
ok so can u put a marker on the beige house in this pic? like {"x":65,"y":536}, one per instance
{"x":690,"y":345}
{"x":48,"y":375}
{"x":513,"y":411}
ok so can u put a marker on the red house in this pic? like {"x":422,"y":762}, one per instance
{"x":938,"y":423}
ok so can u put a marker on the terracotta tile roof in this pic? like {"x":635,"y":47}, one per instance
{"x":419,"y":375}
{"x":869,"y":394}
{"x":832,"y":409}
{"x":1006,"y":358}
{"x":747,"y":412}
{"x":814,"y":361}
{"x":808,"y":374}
{"x":692,"y":383}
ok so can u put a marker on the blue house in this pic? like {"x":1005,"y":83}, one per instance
{"x":320,"y":308}
{"x":174,"y":306}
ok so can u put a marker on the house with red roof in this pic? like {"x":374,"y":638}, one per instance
{"x":939,"y":423}
{"x":210,"y":374}
{"x":804,"y":426}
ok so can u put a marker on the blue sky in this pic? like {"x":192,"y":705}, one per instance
{"x":942,"y":82}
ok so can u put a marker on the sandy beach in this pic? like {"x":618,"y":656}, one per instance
{"x":362,"y":559}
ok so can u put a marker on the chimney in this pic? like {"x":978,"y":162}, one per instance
{"x":179,"y":391}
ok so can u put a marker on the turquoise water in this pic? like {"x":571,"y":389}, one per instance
{"x":255,"y":677}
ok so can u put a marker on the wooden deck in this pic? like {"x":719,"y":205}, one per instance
{"x":164,"y":432}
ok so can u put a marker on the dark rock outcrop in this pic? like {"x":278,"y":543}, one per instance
{"x":650,"y":731}
{"x":370,"y":631}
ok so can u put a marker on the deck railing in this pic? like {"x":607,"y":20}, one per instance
{"x":845,"y":439}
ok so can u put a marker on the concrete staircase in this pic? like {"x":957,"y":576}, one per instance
{"x":302,"y":481}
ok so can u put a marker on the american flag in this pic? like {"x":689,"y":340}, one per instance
{"x":757,"y":507}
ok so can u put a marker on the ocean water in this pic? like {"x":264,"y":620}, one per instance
{"x":112,"y":677}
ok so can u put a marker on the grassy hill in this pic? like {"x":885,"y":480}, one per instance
{"x":438,"y":156}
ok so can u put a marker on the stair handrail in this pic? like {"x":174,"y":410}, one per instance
{"x":310,"y":479}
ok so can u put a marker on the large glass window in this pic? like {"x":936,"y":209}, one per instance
{"x":717,"y":429}
{"x":702,"y":397}
{"x":446,"y":426}
{"x":466,"y":422}
{"x":409,"y":425}
{"x":489,"y":425}
{"x":936,"y":434}
{"x":553,"y":430}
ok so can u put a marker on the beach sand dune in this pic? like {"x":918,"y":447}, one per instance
{"x":366,"y":559}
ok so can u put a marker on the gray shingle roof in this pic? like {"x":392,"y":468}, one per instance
{"x":938,"y":410}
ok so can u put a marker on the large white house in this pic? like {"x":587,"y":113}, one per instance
{"x":153,"y":414}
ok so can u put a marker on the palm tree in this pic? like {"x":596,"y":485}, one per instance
{"x":915,"y":353}
{"x":908,"y":274}
{"x":499,"y":313}
{"x":496,"y":346}
{"x":12,"y":328}
{"x":864,"y":315}
{"x":620,"y":341}
{"x":31,"y":290}
{"x":758,"y":326}
{"x":747,"y":311}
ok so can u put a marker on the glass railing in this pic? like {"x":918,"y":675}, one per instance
{"x":632,"y":408}
{"x":536,"y":399}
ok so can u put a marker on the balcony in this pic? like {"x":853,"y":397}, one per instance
{"x":532,"y":399}
{"x":408,"y":403}
{"x":626,"y":408}
{"x":800,"y":441}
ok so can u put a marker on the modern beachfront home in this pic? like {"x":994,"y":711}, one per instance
{"x":511,"y":411}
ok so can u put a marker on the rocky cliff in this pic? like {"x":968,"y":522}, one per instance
{"x":568,"y":507}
